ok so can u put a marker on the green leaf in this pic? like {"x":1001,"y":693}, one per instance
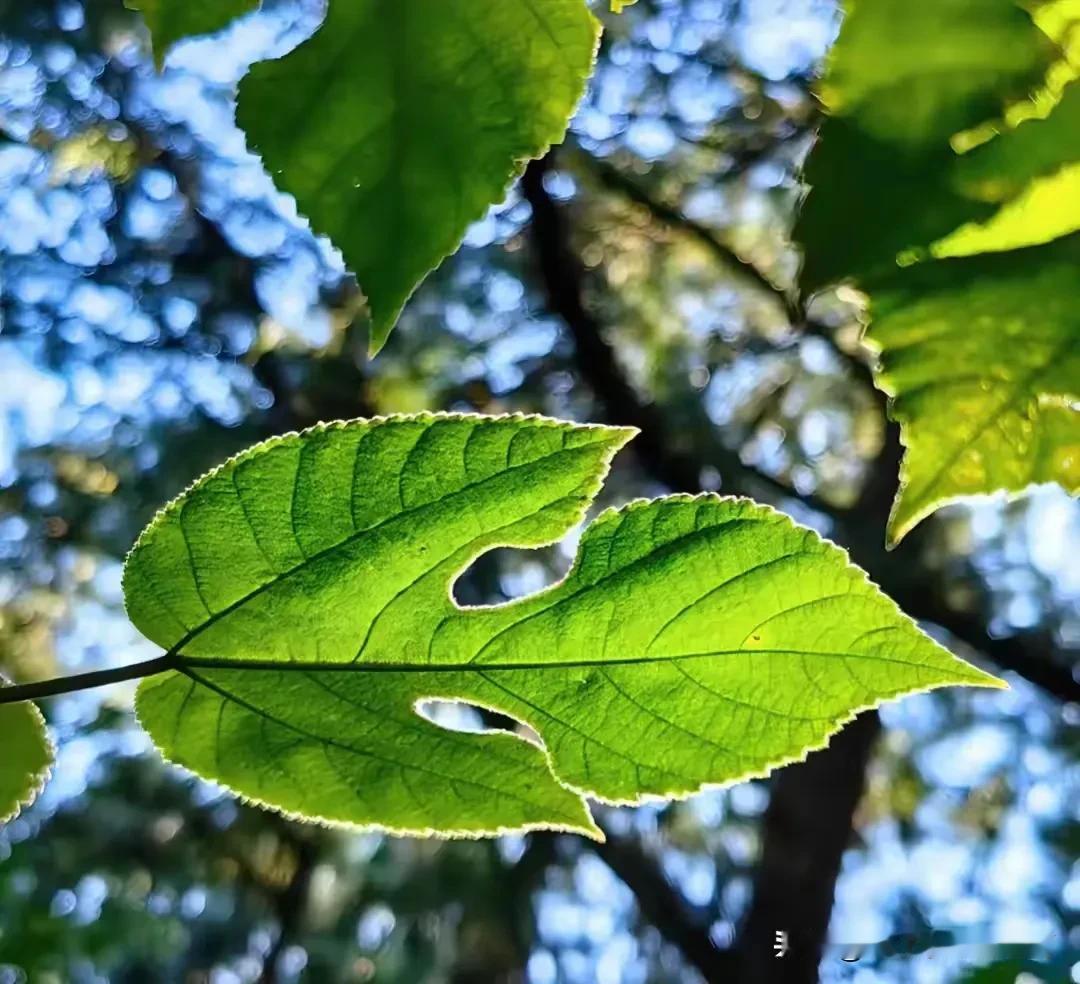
{"x":1031,"y":168}
{"x":401,"y":121}
{"x":982,"y":358}
{"x":904,"y":78}
{"x":303,"y":588}
{"x":980,"y":355}
{"x":170,"y":21}
{"x":27,"y":757}
{"x":1002,"y":167}
{"x":1031,"y":175}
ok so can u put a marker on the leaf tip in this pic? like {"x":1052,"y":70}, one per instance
{"x":623,"y":435}
{"x":594,"y":833}
{"x":583,"y":824}
{"x":980,"y":678}
{"x":961,"y":673}
{"x":902,"y":520}
{"x":376,"y":341}
{"x":381,"y":325}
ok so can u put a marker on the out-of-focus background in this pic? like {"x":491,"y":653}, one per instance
{"x":163,"y":307}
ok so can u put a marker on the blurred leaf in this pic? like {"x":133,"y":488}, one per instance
{"x":903,"y":79}
{"x":171,"y":20}
{"x":982,"y":358}
{"x":401,"y":121}
{"x":27,"y":757}
{"x":1033,"y":172}
{"x":304,"y":588}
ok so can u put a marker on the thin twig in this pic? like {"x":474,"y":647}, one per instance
{"x":614,"y":179}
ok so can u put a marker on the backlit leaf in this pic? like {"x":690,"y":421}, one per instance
{"x":304,"y":588}
{"x":1032,"y":175}
{"x":401,"y":121}
{"x":905,"y":77}
{"x":981,"y":354}
{"x":26,"y":755}
{"x":982,"y":358}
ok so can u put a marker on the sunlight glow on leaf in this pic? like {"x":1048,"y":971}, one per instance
{"x":305,"y":586}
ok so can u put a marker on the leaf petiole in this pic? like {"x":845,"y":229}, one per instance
{"x":87,"y":681}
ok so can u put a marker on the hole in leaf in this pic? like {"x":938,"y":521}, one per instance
{"x":506,"y":573}
{"x":471,"y":719}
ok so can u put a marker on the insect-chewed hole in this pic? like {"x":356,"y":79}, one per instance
{"x":454,"y":715}
{"x":506,"y":573}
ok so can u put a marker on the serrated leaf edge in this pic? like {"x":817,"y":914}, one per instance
{"x":977,"y":677}
{"x":173,"y":506}
{"x":587,"y":828}
{"x":39,"y":779}
{"x":980,"y":678}
{"x":896,"y":527}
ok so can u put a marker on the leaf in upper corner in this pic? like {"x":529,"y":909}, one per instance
{"x":904,"y":78}
{"x":26,"y":755}
{"x":170,"y":21}
{"x":304,"y":587}
{"x":401,"y":121}
{"x":1031,"y":175}
{"x":981,"y":355}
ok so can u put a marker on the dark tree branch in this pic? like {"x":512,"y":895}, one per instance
{"x":563,"y":278}
{"x":806,"y":830}
{"x":663,"y":905}
{"x":834,"y":776}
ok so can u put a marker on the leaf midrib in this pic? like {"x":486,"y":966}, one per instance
{"x":210,"y":663}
